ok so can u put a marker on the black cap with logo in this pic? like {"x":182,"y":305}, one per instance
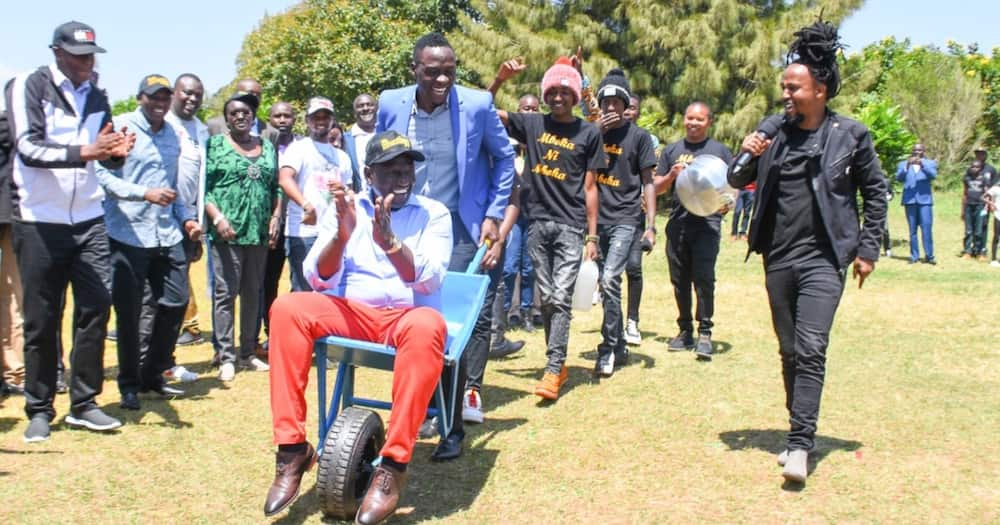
{"x":150,"y":84}
{"x":388,"y":145}
{"x":76,"y":38}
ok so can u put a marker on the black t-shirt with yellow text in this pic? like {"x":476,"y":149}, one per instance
{"x":684,"y":151}
{"x":559,"y":156}
{"x":630,"y":150}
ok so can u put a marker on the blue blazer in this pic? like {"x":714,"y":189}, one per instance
{"x":357,"y":172}
{"x":484,"y":155}
{"x":917,"y":185}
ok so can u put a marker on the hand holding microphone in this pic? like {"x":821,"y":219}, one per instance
{"x":755,"y":143}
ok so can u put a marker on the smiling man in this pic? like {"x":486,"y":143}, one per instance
{"x":356,"y":139}
{"x":307,"y":168}
{"x":61,"y":126}
{"x":469,"y":169}
{"x":692,"y":241}
{"x":382,"y":253}
{"x":146,"y":224}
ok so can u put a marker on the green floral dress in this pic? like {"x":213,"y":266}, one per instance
{"x":242,"y":189}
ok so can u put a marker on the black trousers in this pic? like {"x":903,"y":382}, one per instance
{"x":50,"y":257}
{"x":804,"y":299}
{"x":272,"y":275}
{"x":163,"y":271}
{"x":472,"y":366}
{"x":691,"y":255}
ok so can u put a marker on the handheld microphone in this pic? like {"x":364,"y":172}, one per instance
{"x":767,"y":129}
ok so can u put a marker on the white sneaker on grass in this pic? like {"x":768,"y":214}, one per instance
{"x":796,"y":466}
{"x":632,"y":334}
{"x":179,"y":373}
{"x":93,"y":419}
{"x":254,"y":364}
{"x":472,"y":407}
{"x":227,"y":372}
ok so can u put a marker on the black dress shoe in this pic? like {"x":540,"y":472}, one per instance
{"x":448,"y":448}
{"x":289,"y":468}
{"x":130,"y":401}
{"x":505,"y":348}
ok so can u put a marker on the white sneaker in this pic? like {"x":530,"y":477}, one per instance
{"x":605,"y":365}
{"x":796,"y":466}
{"x":254,"y":364}
{"x":995,"y":264}
{"x":227,"y":372}
{"x":472,"y":407}
{"x":179,"y":373}
{"x":632,"y":335}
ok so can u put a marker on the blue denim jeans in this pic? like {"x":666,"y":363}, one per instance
{"x":741,"y":212}
{"x":921,"y":216}
{"x":616,"y":243}
{"x":555,"y":251}
{"x":518,"y":262}
{"x":297,"y":249}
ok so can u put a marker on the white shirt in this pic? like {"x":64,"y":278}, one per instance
{"x":361,"y":140}
{"x":315,"y":164}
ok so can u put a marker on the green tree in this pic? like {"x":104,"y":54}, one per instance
{"x":333,"y":48}
{"x":893,"y":142}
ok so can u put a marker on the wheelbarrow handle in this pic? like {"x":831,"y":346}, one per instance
{"x":478,"y":259}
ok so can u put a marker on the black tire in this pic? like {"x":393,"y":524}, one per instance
{"x":352,"y":444}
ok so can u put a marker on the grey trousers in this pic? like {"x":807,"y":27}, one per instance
{"x":239,"y":271}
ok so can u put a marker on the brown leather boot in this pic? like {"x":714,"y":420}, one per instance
{"x":382,"y":497}
{"x":290,"y":467}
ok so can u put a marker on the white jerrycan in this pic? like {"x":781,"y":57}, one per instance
{"x":586,"y":284}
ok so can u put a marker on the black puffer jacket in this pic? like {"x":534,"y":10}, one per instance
{"x":848,"y":164}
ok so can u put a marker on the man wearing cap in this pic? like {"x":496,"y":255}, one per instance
{"x":621,"y":188}
{"x":61,"y":123}
{"x":307,"y":168}
{"x":565,"y":155}
{"x":692,"y":241}
{"x":146,"y":224}
{"x":469,"y":169}
{"x":378,"y":263}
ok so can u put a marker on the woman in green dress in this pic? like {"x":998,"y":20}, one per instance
{"x":241,"y":202}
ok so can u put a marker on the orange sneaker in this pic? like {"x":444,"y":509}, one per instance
{"x":548,"y":387}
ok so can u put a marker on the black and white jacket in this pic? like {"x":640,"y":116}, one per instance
{"x":54,"y":185}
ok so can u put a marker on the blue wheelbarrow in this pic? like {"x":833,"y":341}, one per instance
{"x":350,"y":435}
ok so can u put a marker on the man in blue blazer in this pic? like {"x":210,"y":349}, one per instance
{"x":469,"y":167}
{"x":916,"y":174}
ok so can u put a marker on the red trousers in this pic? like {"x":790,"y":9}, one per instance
{"x":418,"y":334}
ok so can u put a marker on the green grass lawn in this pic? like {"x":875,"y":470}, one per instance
{"x":908,"y":431}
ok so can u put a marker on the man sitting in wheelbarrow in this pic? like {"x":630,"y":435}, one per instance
{"x":378,"y":263}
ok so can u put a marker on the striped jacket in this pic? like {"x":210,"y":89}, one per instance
{"x":54,"y":185}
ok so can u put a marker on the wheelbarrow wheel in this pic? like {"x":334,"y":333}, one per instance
{"x":345,"y":466}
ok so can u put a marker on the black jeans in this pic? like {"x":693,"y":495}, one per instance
{"x":633,"y":272}
{"x":164,"y":271}
{"x":616,"y":242}
{"x":472,"y":366}
{"x":975,"y":229}
{"x":272,"y":276}
{"x":691,"y":255}
{"x":49,"y":257}
{"x":804,"y":299}
{"x":555,"y":251}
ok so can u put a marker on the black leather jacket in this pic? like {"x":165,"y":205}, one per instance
{"x":847,"y":164}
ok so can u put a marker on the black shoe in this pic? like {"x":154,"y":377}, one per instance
{"x":703,"y":350}
{"x":932,"y":262}
{"x":130,"y":401}
{"x":681,"y":342}
{"x":528,"y":326}
{"x":61,"y":387}
{"x":112,"y":335}
{"x":448,"y":448}
{"x":622,"y":357}
{"x":165,"y":390}
{"x":187,"y":338}
{"x":10,"y":389}
{"x":514,"y":321}
{"x":537,"y":320}
{"x":505,"y":349}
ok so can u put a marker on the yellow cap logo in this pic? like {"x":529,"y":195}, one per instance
{"x":157,"y":80}
{"x":398,"y":141}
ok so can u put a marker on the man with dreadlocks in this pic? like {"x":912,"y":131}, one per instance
{"x":806,"y":223}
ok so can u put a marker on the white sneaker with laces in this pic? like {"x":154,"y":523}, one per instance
{"x":995,"y":263}
{"x":227,"y":372}
{"x":632,"y":334}
{"x":179,"y":373}
{"x":472,"y":407}
{"x":254,"y":364}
